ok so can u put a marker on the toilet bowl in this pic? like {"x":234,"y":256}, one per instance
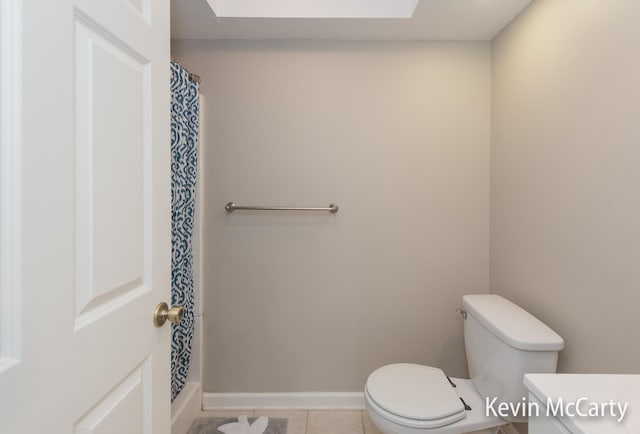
{"x":503,"y":342}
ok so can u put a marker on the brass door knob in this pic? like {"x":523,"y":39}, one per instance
{"x":163,"y":313}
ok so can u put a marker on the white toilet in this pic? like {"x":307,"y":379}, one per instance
{"x":503,"y":342}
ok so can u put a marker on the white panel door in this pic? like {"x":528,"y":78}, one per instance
{"x":84,"y":217}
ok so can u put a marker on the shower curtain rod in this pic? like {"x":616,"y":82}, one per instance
{"x":193,"y":77}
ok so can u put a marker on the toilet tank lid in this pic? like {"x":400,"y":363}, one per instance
{"x":511,"y":324}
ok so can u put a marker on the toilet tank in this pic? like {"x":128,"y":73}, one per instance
{"x":503,"y":342}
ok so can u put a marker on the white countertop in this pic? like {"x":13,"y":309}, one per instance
{"x":598,"y":388}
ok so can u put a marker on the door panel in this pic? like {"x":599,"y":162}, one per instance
{"x":125,"y":409}
{"x":111,"y":148}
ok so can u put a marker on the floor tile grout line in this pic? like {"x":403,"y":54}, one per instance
{"x":306,"y":423}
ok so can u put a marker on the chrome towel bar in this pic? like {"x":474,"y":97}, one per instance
{"x":231,"y":206}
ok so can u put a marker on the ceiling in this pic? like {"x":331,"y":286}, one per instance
{"x":432,"y":19}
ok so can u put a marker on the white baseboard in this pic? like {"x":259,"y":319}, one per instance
{"x":186,"y":408}
{"x":272,"y":401}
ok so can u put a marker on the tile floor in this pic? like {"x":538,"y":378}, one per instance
{"x":318,"y":421}
{"x":312,"y":422}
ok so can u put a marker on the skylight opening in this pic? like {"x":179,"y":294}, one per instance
{"x":313,"y":8}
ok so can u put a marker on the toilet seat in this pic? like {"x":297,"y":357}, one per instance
{"x":389,"y":422}
{"x":414,"y":396}
{"x":409,"y":423}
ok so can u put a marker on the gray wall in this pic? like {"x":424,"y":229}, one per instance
{"x":398,"y":135}
{"x":565,"y":179}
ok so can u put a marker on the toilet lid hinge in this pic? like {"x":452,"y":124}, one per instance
{"x":451,"y":382}
{"x":466,"y":406}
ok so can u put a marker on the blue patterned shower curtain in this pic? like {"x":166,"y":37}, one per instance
{"x":184,"y":158}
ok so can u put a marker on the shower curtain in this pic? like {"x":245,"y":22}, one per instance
{"x":184,"y":141}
